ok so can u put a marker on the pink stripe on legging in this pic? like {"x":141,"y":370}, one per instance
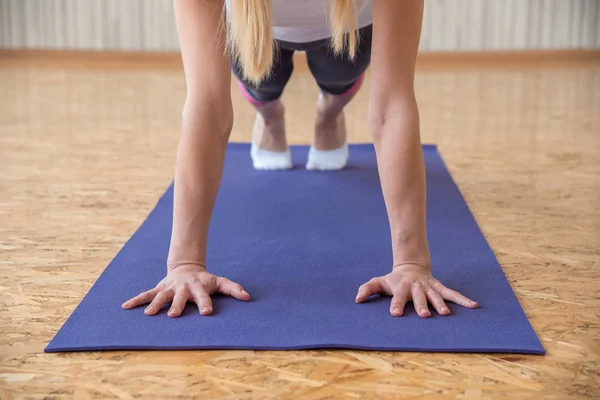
{"x":354,"y":87}
{"x":257,"y":103}
{"x":248,"y":96}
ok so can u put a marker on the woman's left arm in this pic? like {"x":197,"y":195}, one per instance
{"x":394,"y":122}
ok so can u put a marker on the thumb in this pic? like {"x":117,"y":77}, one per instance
{"x":368,"y":289}
{"x":230,"y":288}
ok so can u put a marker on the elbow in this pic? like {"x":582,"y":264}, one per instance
{"x":205,"y":117}
{"x":393,"y":115}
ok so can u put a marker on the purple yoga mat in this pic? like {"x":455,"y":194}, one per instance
{"x":302,"y":242}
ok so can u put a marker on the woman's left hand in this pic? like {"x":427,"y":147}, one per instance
{"x":413,"y":282}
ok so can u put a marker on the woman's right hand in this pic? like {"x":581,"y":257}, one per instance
{"x":189,"y":282}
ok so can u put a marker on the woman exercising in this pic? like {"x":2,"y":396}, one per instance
{"x":256,"y":40}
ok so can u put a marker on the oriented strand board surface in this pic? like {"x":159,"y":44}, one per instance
{"x":85,"y":152}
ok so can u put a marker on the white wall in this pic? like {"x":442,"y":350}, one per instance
{"x":450,"y":25}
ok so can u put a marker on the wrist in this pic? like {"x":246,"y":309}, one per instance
{"x":416,"y":253}
{"x":178,"y":259}
{"x":412,"y":266}
{"x":185,"y":254}
{"x":182,"y":264}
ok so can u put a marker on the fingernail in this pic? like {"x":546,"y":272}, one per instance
{"x":205,"y":310}
{"x":149,"y":309}
{"x":444,"y":309}
{"x":174,"y":311}
{"x":423,"y":311}
{"x":126,"y":304}
{"x":397,"y":311}
{"x":245,"y":293}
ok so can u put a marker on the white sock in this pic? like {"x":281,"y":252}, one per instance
{"x":270,"y":160}
{"x":327,"y":160}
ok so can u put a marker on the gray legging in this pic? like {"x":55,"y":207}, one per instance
{"x":334,"y":74}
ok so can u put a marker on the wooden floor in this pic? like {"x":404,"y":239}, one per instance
{"x":86,"y":151}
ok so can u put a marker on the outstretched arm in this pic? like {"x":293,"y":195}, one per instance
{"x":394,"y":122}
{"x":206,"y":124}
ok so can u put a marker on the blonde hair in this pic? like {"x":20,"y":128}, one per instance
{"x":250,"y":34}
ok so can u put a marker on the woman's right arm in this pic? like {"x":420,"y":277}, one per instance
{"x":207,"y":119}
{"x":206,"y":124}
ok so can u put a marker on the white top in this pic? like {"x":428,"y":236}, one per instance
{"x":301,"y":21}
